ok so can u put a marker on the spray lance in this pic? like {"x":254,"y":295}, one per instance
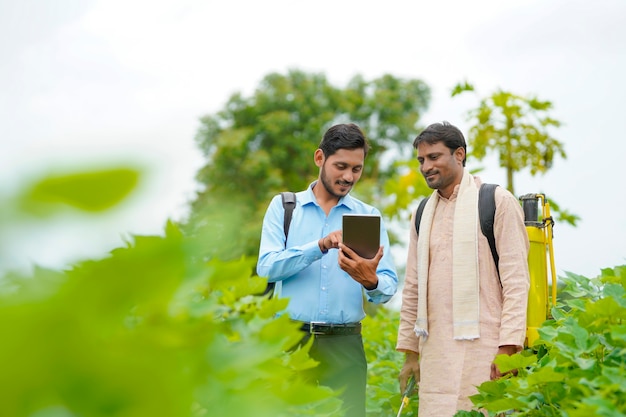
{"x":407,"y":393}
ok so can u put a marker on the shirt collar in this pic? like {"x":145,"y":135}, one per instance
{"x":309,"y":198}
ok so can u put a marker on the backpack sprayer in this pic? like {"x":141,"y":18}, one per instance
{"x":540,"y":233}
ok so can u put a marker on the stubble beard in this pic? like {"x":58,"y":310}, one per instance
{"x":434,"y":183}
{"x":328,"y":186}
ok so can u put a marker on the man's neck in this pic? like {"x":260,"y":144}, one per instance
{"x":450,"y":191}
{"x":326,"y":200}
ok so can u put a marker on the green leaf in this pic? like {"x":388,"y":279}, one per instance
{"x":494,"y":388}
{"x":517,"y":361}
{"x":581,"y":335}
{"x":461,"y":87}
{"x":544,"y":375}
{"x":91,"y":191}
{"x":617,"y":333}
{"x":585,"y":363}
{"x":608,"y":309}
{"x":504,"y":404}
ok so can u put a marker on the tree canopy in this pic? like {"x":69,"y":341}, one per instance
{"x":517,"y":128}
{"x":262,"y":144}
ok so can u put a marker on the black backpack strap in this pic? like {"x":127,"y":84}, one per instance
{"x":487,"y":214}
{"x":418,"y":214}
{"x":289,"y":203}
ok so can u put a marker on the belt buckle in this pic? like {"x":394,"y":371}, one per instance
{"x":312,"y":327}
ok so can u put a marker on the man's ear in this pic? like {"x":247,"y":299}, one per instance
{"x":318,"y":157}
{"x":459,"y":154}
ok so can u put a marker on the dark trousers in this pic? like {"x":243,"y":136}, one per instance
{"x":342,"y":366}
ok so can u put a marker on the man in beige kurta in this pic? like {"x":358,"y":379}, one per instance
{"x":449,"y":370}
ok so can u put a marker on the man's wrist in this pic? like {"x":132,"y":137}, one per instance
{"x":320,"y":243}
{"x":508,"y":349}
{"x":373,"y":287}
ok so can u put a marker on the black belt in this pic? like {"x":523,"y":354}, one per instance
{"x":331,"y":329}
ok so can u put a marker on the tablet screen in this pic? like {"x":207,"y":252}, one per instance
{"x":361,"y":233}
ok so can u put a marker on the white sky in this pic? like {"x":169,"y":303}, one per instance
{"x":82,"y":82}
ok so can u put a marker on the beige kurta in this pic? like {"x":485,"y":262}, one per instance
{"x":451,"y":369}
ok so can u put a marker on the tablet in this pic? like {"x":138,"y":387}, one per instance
{"x":361,"y":233}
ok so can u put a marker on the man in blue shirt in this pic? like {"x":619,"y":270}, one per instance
{"x":324,"y":279}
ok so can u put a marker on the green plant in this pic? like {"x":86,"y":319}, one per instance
{"x":384,"y":363}
{"x":576,"y":368}
{"x":151,"y":329}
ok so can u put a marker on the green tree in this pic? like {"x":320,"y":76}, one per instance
{"x":517,"y":128}
{"x":259,"y":145}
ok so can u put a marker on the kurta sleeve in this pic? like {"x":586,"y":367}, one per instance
{"x":407,"y":339}
{"x":512,"y":245}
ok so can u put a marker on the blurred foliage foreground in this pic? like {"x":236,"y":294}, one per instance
{"x":155,"y":329}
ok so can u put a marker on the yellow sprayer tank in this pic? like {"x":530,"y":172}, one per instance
{"x":539,"y":229}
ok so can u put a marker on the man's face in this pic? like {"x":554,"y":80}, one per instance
{"x":441,"y":169}
{"x":340,"y":171}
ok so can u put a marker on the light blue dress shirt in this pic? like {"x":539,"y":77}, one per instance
{"x":318,"y":289}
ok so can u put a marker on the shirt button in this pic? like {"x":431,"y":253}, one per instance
{"x":323,"y":288}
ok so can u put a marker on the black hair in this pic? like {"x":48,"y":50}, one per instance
{"x":343,"y":136}
{"x":444,"y":132}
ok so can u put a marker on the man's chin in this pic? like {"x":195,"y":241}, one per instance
{"x":432,"y":184}
{"x":344,"y":190}
{"x":341,"y":192}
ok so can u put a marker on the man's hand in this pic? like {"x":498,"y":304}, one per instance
{"x":411,"y":367}
{"x":362,"y":270}
{"x":503,"y":350}
{"x":330,"y":241}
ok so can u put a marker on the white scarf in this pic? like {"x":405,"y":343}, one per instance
{"x":465,"y":286}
